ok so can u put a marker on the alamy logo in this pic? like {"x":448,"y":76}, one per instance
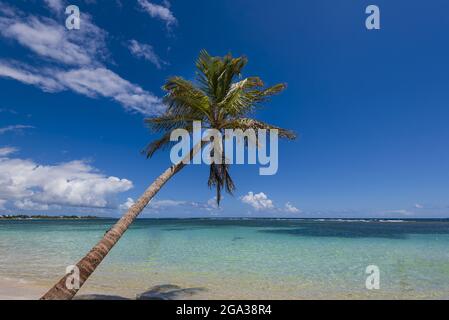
{"x":73,"y":21}
{"x":373,"y":280}
{"x":220,"y":149}
{"x":373,"y":20}
{"x":73,"y":280}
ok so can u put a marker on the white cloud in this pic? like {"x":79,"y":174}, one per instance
{"x":76,"y":61}
{"x":50,"y":39}
{"x":30,"y":185}
{"x":156,"y":205}
{"x":17,"y":127}
{"x":92,"y":82}
{"x":29,"y":75}
{"x":55,"y":5}
{"x":261,"y":202}
{"x":104,"y":82}
{"x":127,"y":204}
{"x":153,"y":203}
{"x":258,"y":201}
{"x":209,"y":206}
{"x":159,"y":11}
{"x":6,"y":151}
{"x":7,"y":10}
{"x":28,"y":204}
{"x":145,"y":51}
{"x":212,"y":203}
{"x":419,"y":206}
{"x":290,"y":208}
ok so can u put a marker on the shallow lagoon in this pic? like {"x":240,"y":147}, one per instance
{"x":238,"y":259}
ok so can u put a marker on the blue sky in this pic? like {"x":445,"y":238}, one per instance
{"x":371,"y":107}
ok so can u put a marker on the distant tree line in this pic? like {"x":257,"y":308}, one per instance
{"x":25,"y":217}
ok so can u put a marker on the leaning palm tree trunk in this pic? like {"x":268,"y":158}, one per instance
{"x":90,"y":262}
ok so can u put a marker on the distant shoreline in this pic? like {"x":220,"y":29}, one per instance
{"x":44,"y":217}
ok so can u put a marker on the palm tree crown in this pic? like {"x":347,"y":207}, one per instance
{"x":221,"y":100}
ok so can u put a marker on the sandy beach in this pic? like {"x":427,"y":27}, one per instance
{"x":14,"y":289}
{"x":18,"y":289}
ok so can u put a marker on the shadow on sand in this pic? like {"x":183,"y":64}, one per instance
{"x":160,"y":292}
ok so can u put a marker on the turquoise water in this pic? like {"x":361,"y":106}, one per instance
{"x":244,"y":259}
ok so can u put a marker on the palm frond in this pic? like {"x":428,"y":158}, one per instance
{"x":219,"y":178}
{"x":156,"y":145}
{"x":183,"y":98}
{"x":167,"y":122}
{"x":245,"y":96}
{"x":163,"y":142}
{"x":248,"y":123}
{"x":216,"y":74}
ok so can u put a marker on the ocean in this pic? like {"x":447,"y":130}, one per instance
{"x":238,"y":258}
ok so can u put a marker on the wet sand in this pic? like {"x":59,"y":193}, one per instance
{"x":20,"y":290}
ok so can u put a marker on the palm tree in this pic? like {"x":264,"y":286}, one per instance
{"x":221,"y":100}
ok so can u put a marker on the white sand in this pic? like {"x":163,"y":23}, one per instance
{"x":14,"y":289}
